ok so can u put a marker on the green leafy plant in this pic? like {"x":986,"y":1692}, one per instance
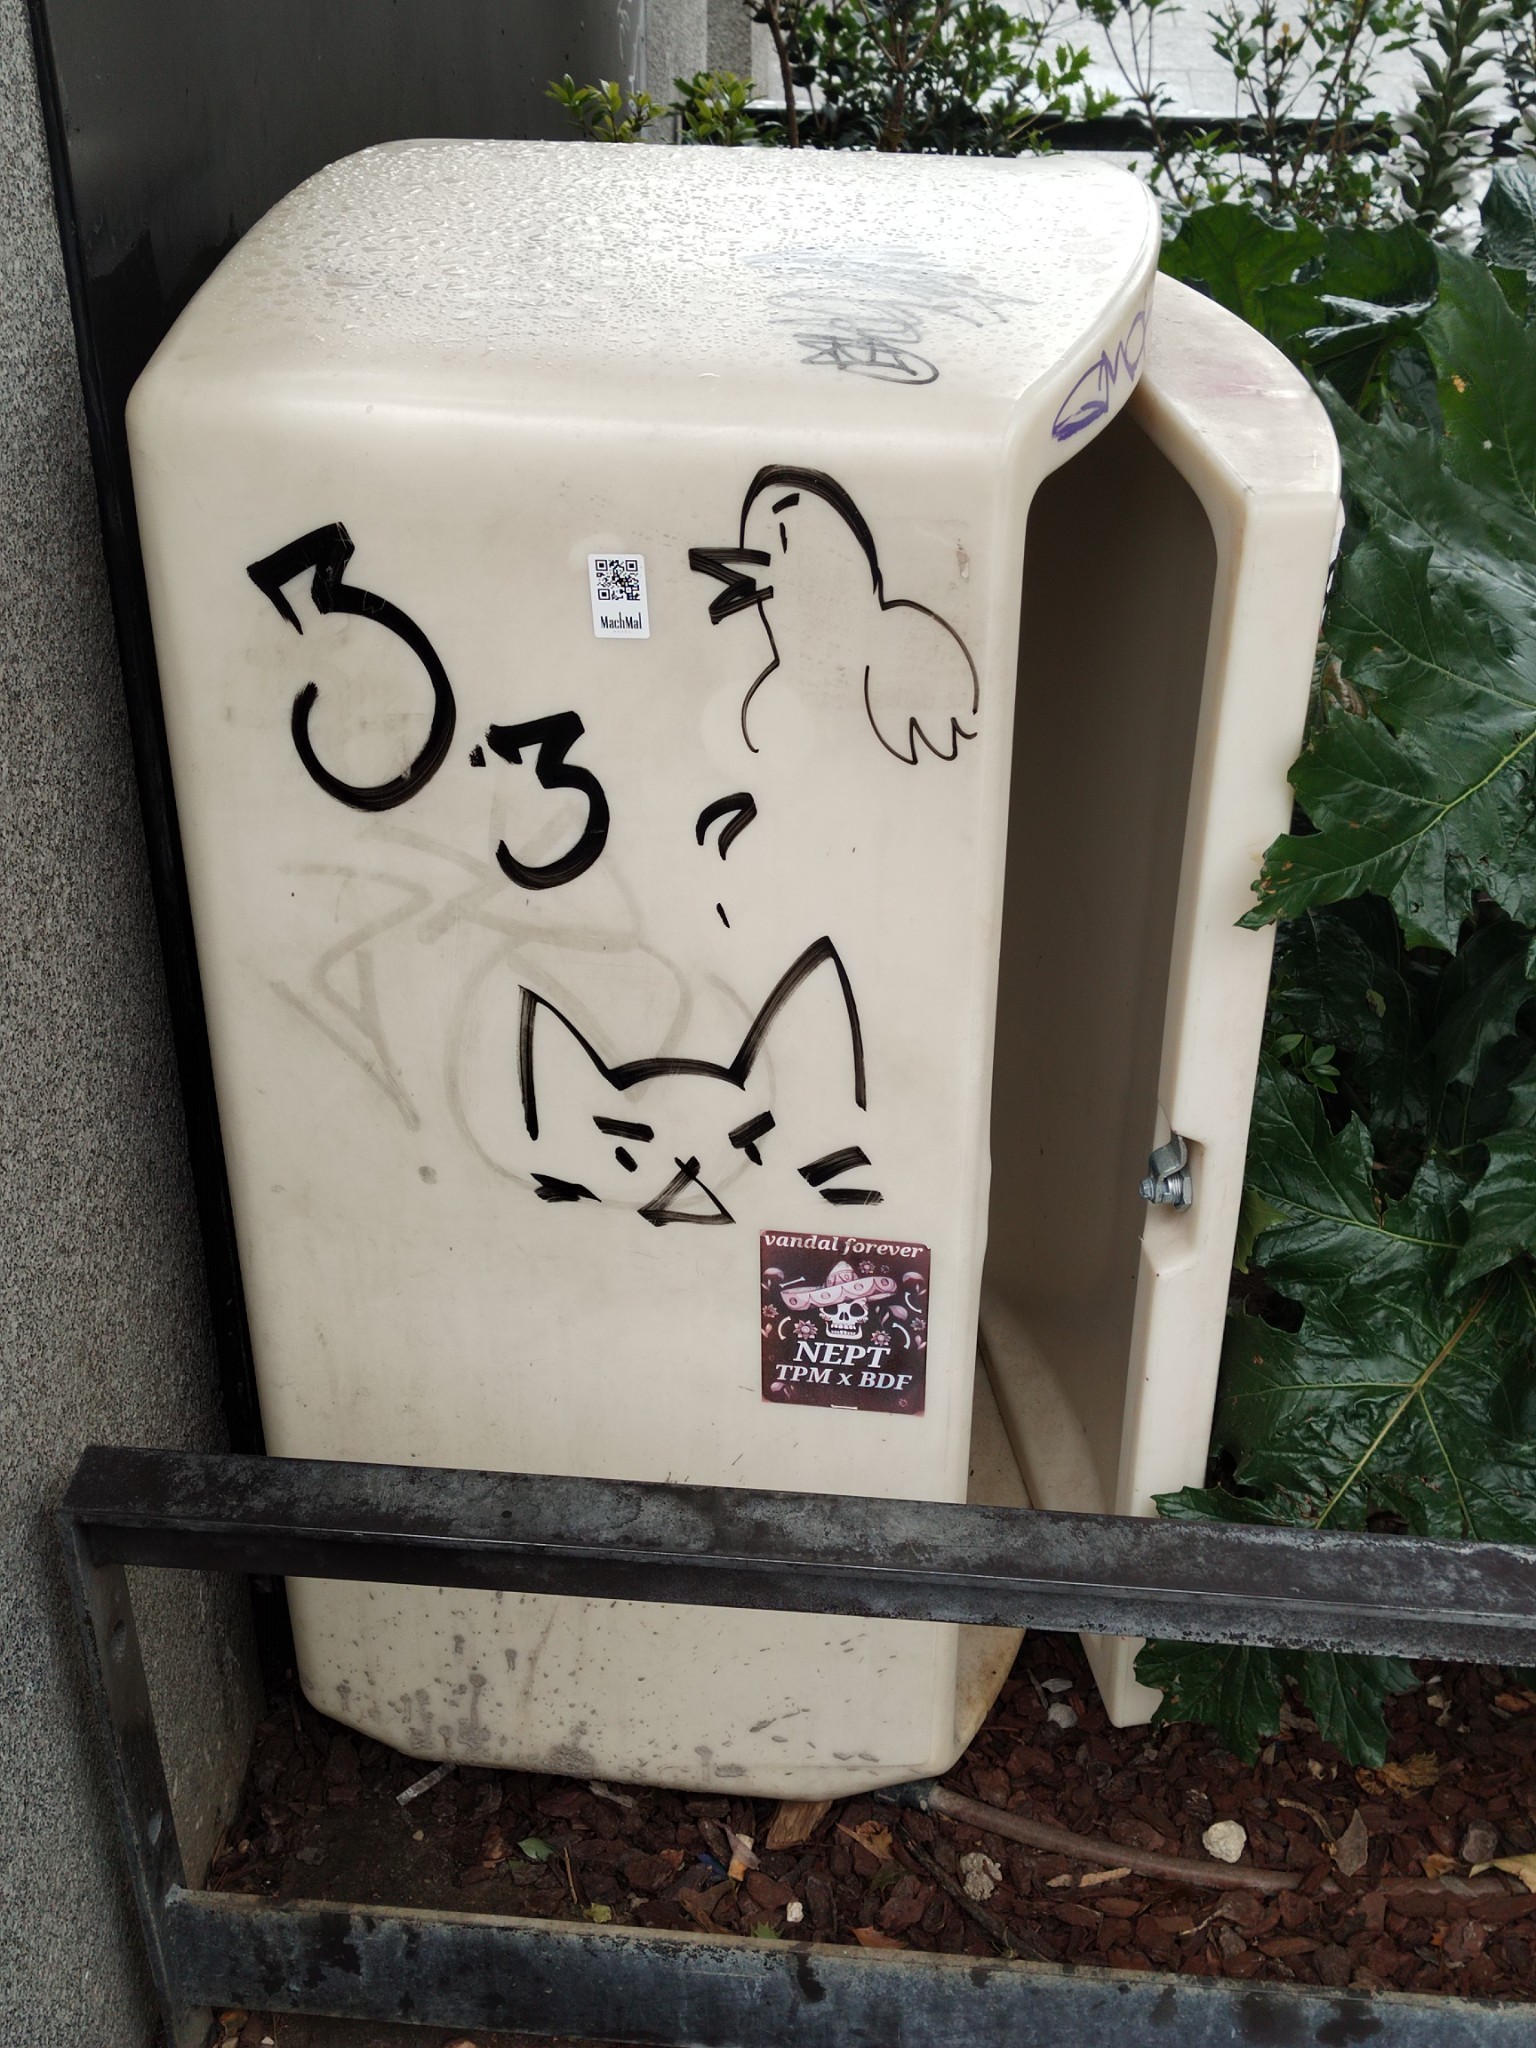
{"x":1424,"y":794}
{"x":1308,"y":141}
{"x":960,"y":77}
{"x":713,"y":107}
{"x":1447,"y":131}
{"x":605,"y":112}
{"x":1314,"y":1063}
{"x":1517,"y":60}
{"x":1380,"y":1365}
{"x":957,"y":77}
{"x":1509,"y":231}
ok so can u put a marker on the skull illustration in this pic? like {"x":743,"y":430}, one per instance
{"x":845,"y":1318}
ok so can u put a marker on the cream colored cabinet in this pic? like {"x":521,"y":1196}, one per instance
{"x":604,"y":599}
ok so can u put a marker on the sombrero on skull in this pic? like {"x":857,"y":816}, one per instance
{"x":842,"y":1284}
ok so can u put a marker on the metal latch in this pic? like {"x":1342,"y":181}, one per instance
{"x":1169,"y":1179}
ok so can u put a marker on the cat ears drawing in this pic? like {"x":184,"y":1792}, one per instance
{"x":918,"y":680}
{"x":669,"y":1136}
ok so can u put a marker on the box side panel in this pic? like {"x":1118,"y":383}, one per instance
{"x":1119,"y":570}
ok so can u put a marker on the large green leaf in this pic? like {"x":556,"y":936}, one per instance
{"x":1342,"y":302}
{"x":1239,"y":1690}
{"x":1399,"y":1391}
{"x":1233,"y":255}
{"x":1341,"y":978}
{"x":1479,"y":998}
{"x":1398,"y":1399}
{"x":1509,"y":215}
{"x":1486,"y":360}
{"x":1334,"y":1232}
{"x":1478,"y":1051}
{"x":1349,"y":312}
{"x":1236,"y":1691}
{"x":1427,"y":794}
{"x":1501,"y":1209}
{"x":1345,"y":1695}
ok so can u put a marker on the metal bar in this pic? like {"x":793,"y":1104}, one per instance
{"x":606,"y":1984}
{"x":659,"y":1542}
{"x":818,"y":1553}
{"x":120,"y":1693}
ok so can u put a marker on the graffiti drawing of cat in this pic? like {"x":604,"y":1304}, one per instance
{"x":669,"y":1135}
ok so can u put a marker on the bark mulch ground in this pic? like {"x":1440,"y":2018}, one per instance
{"x":321,"y":1820}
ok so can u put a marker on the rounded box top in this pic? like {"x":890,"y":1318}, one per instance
{"x":481,"y":273}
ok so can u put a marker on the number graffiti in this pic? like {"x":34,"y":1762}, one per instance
{"x":552,"y":738}
{"x":327,"y":552}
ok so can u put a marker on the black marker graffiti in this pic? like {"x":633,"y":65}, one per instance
{"x":327,"y":552}
{"x":745,"y":1136}
{"x":659,"y":1209}
{"x":536,"y":1049}
{"x":616,"y":1127}
{"x":829,"y":1166}
{"x":833,"y":1164}
{"x":740,"y":589}
{"x":744,"y":809}
{"x":903,"y":699}
{"x":735,"y":1072}
{"x":553,"y":1190}
{"x":553,"y":739}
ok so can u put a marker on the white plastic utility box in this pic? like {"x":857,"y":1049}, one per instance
{"x":643,"y":634}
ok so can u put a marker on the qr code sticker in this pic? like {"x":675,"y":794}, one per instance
{"x":619,"y":610}
{"x":617,"y":578}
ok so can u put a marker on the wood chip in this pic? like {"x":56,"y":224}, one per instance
{"x":1299,"y":1806}
{"x":875,"y":1937}
{"x":1352,"y":1851}
{"x":1090,"y":1878}
{"x":870,"y":1836}
{"x":795,"y":1821}
{"x":1416,"y":1775}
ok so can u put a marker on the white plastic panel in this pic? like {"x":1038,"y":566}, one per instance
{"x":1173,"y":584}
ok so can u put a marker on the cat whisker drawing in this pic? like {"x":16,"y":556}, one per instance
{"x":675,"y":1139}
{"x":917,"y":679}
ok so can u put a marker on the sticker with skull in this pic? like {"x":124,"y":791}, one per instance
{"x":844,"y":1322}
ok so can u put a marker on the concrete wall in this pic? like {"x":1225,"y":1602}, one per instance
{"x":103,"y":1320}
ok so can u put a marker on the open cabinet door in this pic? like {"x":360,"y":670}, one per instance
{"x":1174,"y":579}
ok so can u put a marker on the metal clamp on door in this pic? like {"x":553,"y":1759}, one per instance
{"x":1168,"y":1178}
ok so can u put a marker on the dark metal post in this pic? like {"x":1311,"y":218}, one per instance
{"x":120,"y":1691}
